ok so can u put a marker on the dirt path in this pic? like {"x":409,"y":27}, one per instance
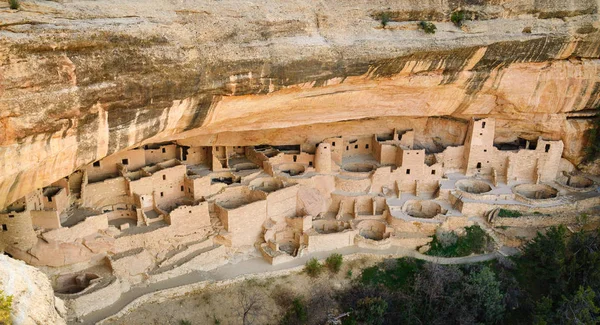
{"x":259,"y":265}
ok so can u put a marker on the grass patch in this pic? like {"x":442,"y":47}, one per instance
{"x":509,"y":214}
{"x":474,"y":241}
{"x":334,"y":262}
{"x":313,"y":268}
{"x":297,"y":313}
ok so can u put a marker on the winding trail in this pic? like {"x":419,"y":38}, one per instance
{"x":258,"y":265}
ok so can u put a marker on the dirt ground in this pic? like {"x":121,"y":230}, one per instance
{"x":271,"y":298}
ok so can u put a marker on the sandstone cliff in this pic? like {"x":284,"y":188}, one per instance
{"x":80,"y":80}
{"x":33,"y":297}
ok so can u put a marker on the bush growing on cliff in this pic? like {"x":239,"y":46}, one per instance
{"x":5,"y":308}
{"x":14,"y":4}
{"x":428,"y":27}
{"x":334,"y":262}
{"x":458,"y":18}
{"x":313,"y":268}
{"x":384,"y":18}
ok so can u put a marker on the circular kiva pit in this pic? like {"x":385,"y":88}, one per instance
{"x":293,"y":169}
{"x":422,"y":209}
{"x":245,"y":166}
{"x":359,"y":167}
{"x":576,"y":181}
{"x":74,"y":283}
{"x":372,"y":229}
{"x":536,"y":191}
{"x":473,"y":186}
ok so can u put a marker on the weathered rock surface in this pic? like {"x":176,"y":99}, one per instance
{"x":33,"y":297}
{"x":80,"y":80}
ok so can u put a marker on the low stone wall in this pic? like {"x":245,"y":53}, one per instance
{"x":89,"y":226}
{"x":203,"y":262}
{"x":539,"y":221}
{"x":480,"y":208}
{"x":325,"y":242}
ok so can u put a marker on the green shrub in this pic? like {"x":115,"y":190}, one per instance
{"x":428,"y":27}
{"x":370,"y":310}
{"x":384,"y":17}
{"x":313,"y":268}
{"x":509,"y":214}
{"x":5,"y":308}
{"x":474,"y":241}
{"x":14,"y":4}
{"x":349,"y":274}
{"x":334,"y":262}
{"x":185,"y":322}
{"x":458,"y":18}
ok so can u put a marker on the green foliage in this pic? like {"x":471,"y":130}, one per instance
{"x":592,"y":150}
{"x":395,"y":277}
{"x":458,"y":18}
{"x":349,"y":274}
{"x":14,"y":4}
{"x":384,"y":18}
{"x":313,"y":268}
{"x":370,"y":310}
{"x":296,"y":314}
{"x":580,"y":309}
{"x":185,"y":322}
{"x":485,"y":294}
{"x":5,"y":308}
{"x":216,"y":320}
{"x":428,"y":27}
{"x":474,"y":241}
{"x":504,"y":213}
{"x":334,"y":262}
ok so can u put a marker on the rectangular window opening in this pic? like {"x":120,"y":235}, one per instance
{"x":4,"y":228}
{"x":433,"y":172}
{"x":164,"y":150}
{"x":483,"y":125}
{"x":547,"y":148}
{"x":182,"y":189}
{"x":333,"y":143}
{"x":164,"y":177}
{"x":408,"y":172}
{"x":355,"y":146}
{"x":162,"y":194}
{"x":125,"y":161}
{"x":366,"y":146}
{"x":96,"y":164}
{"x":478,"y":165}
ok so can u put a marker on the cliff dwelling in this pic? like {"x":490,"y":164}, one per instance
{"x":149,"y":151}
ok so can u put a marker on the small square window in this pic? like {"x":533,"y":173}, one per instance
{"x":480,"y":133}
{"x":547,"y":148}
{"x":310,"y":163}
{"x":484,"y":150}
{"x":408,"y":172}
{"x":333,"y":143}
{"x":366,"y":146}
{"x":162,"y":194}
{"x":11,"y":215}
{"x":4,"y":228}
{"x":347,"y":148}
{"x":355,"y":146}
{"x":164,"y":150}
{"x":164,"y":177}
{"x":433,"y":172}
{"x":125,"y":161}
{"x":96,"y":164}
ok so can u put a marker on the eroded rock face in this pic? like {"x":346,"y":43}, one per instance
{"x":33,"y":297}
{"x":82,"y":80}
